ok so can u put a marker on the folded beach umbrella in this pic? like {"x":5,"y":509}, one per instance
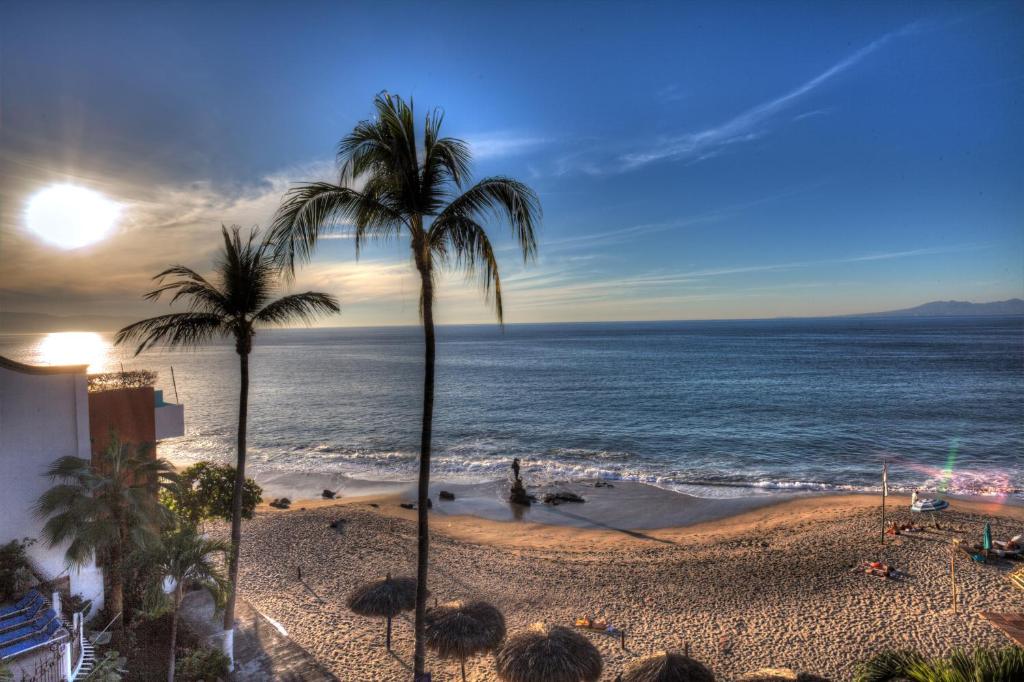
{"x":929,"y":505}
{"x":548,"y":653}
{"x":986,"y":537}
{"x":668,"y":667}
{"x":460,"y":630}
{"x":384,"y":599}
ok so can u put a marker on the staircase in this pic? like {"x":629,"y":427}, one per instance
{"x":88,"y":660}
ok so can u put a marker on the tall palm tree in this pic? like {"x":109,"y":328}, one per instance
{"x":187,"y":559}
{"x":106,"y":508}
{"x":233,"y":306}
{"x":412,"y":188}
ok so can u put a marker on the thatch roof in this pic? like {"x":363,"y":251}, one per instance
{"x":548,"y":654}
{"x":668,"y":667}
{"x":460,"y":630}
{"x":384,"y":598}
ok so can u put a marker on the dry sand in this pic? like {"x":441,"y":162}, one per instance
{"x":771,"y":586}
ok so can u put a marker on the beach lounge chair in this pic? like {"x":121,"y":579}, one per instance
{"x":21,"y":605}
{"x":44,"y":636}
{"x":25,"y":617}
{"x":11,"y":636}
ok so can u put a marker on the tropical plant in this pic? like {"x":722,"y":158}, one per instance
{"x":183,"y":559}
{"x":204,"y":491}
{"x":984,"y":665}
{"x":108,"y":669}
{"x":233,"y":306}
{"x":15,"y":568}
{"x":414,"y":188}
{"x":202,"y":664}
{"x":108,"y":508}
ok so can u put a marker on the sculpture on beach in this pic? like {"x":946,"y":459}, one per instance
{"x":518,"y":494}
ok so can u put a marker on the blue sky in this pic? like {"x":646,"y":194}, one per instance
{"x":694,"y":160}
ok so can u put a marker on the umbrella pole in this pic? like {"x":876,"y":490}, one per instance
{"x":462,"y":662}
{"x":883,"y":515}
{"x":389,"y":633}
{"x":952,"y":572}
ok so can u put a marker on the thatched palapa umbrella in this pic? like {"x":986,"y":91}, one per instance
{"x":546,"y":653}
{"x":668,"y":667}
{"x":384,"y":599}
{"x":460,"y":630}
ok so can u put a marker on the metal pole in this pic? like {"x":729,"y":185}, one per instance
{"x":883,"y":516}
{"x":952,"y":571}
{"x":175,"y":384}
{"x":885,"y":484}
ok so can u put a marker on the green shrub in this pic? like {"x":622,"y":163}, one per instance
{"x":202,"y":665}
{"x":984,"y":665}
{"x":204,"y":492}
{"x":15,"y":569}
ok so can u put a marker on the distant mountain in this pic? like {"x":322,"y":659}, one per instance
{"x":40,"y":322}
{"x":1013,"y":306}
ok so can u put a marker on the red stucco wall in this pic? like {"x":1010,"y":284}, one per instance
{"x":128,"y":411}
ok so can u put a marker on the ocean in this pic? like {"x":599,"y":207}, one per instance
{"x":715,"y":409}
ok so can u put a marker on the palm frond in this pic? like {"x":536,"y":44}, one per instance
{"x":445,"y":160}
{"x":502,"y":198}
{"x":463,"y":244}
{"x":305,"y":307}
{"x":247,"y":270}
{"x":173,"y":329}
{"x":319,"y":207}
{"x":203,"y":296}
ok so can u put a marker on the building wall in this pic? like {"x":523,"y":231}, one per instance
{"x":44,"y":415}
{"x":127,"y":411}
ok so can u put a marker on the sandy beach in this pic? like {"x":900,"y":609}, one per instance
{"x":748,"y":584}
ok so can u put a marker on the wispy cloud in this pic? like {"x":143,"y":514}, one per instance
{"x":500,"y":144}
{"x":715,"y":215}
{"x":671,"y":93}
{"x":749,"y":125}
{"x":886,"y":255}
{"x":813,"y":113}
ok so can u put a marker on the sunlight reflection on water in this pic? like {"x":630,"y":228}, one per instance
{"x":75,"y":348}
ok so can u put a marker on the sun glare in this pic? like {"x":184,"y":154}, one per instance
{"x":74,"y":348}
{"x":71,"y":217}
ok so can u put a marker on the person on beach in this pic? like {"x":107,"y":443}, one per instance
{"x":913,"y":498}
{"x":515,"y":468}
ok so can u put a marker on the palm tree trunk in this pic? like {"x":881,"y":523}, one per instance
{"x":116,"y":605}
{"x":236,"y":499}
{"x":174,"y":630}
{"x":423,"y":537}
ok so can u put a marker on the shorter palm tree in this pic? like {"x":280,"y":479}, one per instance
{"x":106,"y":509}
{"x":184,"y":559}
{"x":233,"y":306}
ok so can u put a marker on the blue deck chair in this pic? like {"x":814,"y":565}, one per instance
{"x":39,"y":625}
{"x":32,"y":642}
{"x":25,"y":617}
{"x":20,"y":606}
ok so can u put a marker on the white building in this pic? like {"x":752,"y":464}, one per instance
{"x":44,"y":415}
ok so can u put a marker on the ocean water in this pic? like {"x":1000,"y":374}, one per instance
{"x":711,"y":408}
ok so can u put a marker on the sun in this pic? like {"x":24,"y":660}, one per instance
{"x":71,"y":217}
